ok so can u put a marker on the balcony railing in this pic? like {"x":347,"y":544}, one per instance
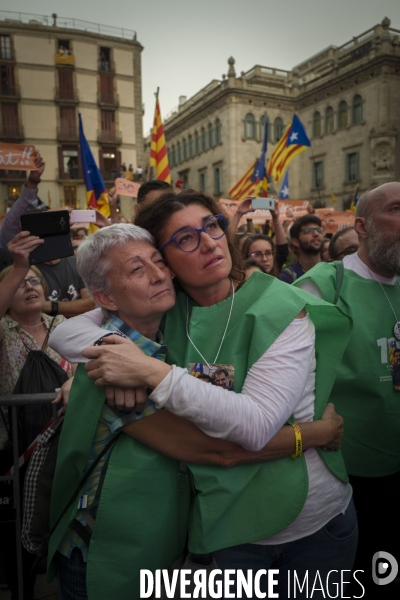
{"x":12,"y":132}
{"x":106,"y":65}
{"x":12,"y":175}
{"x":108,"y":98}
{"x":65,"y":59}
{"x":8,"y":90}
{"x":109,"y":137}
{"x":67,"y":133}
{"x":66,"y":95}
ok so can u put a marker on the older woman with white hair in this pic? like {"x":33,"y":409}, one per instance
{"x":133,"y":509}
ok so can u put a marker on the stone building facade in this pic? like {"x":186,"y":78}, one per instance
{"x":347,"y":97}
{"x":52,"y":69}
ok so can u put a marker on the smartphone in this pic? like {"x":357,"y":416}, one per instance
{"x":263,"y":203}
{"x":82,"y":216}
{"x":53,"y":227}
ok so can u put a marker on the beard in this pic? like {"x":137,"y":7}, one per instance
{"x":383,"y":249}
{"x":309,"y":249}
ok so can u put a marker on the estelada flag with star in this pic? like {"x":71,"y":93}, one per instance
{"x":259,"y":176}
{"x":293,"y":141}
{"x":158,"y":148}
{"x":96,"y":191}
{"x":284,"y":193}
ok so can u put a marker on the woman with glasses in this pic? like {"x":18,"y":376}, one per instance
{"x":293,"y":513}
{"x":23,"y":327}
{"x":261,"y":248}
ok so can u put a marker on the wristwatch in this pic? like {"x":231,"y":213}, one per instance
{"x":54,"y":308}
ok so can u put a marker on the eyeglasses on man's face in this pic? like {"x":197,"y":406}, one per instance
{"x":32,"y":281}
{"x":258,"y":255}
{"x":188,"y":240}
{"x":312,"y":230}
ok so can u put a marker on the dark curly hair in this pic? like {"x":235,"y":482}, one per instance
{"x":156,"y":215}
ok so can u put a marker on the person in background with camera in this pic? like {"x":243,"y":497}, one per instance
{"x":26,"y":202}
{"x":306,"y":239}
{"x":281,"y":249}
{"x":23,"y":327}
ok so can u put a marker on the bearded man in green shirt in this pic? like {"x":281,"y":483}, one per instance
{"x":365,"y":286}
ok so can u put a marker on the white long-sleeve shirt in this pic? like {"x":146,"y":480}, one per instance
{"x":279,"y":384}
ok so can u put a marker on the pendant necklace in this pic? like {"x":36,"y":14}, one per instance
{"x":396,"y":328}
{"x":223,"y":337}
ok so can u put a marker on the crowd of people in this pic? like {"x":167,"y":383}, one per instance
{"x":289,"y":460}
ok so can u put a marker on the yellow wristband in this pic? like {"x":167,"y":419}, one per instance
{"x":298,"y":441}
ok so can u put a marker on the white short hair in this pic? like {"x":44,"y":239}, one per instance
{"x":93,"y":262}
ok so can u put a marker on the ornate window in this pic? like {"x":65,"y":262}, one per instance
{"x":357,"y":109}
{"x":250,"y":127}
{"x":191,"y":153}
{"x":196,"y":142}
{"x":217,"y":131}
{"x":352,"y":167}
{"x":316,"y":124}
{"x":342,"y":115}
{"x":263,"y":120}
{"x":329,"y":120}
{"x":318,"y":174}
{"x":210,"y":136}
{"x":203,"y":139}
{"x":278,"y":129}
{"x":179,"y":152}
{"x":184,"y":149}
{"x":172,"y":156}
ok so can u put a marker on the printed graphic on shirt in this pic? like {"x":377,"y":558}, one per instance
{"x":222,"y":375}
{"x":390,"y":355}
{"x":71,"y":293}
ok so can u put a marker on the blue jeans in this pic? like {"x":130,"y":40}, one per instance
{"x":332,"y":548}
{"x":72,"y":576}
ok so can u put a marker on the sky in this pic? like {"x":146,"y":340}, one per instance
{"x":187,"y":43}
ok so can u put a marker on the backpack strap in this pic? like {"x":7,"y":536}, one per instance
{"x":339,"y":279}
{"x":46,"y":339}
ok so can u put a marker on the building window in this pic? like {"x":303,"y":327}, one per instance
{"x":5,"y":47}
{"x":217,"y":131}
{"x":108,"y":133}
{"x":318,"y":174}
{"x":8,"y":87}
{"x":317,"y":124}
{"x":218,"y":180}
{"x":70,"y":195}
{"x":250,"y":127}
{"x":191,"y":152}
{"x":203,"y":145}
{"x":202,"y":181}
{"x":107,"y":88}
{"x":10,"y":121}
{"x":184,"y":149}
{"x":342,"y":115}
{"x":196,"y":142}
{"x":329,"y":120}
{"x":105,"y":59}
{"x":179,"y":151}
{"x":65,"y":84}
{"x":172,"y":156}
{"x":64,"y":54}
{"x":210,"y":136}
{"x":278,"y":129}
{"x":352,"y":167}
{"x":357,"y":109}
{"x":184,"y":175}
{"x":69,"y":162}
{"x":263,"y":120}
{"x":110,"y":163}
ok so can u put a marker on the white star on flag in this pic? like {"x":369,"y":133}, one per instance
{"x":285,"y":191}
{"x":294,"y":136}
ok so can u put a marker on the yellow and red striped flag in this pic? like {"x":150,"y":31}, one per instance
{"x":245,"y":186}
{"x":293,"y":141}
{"x":158,"y":149}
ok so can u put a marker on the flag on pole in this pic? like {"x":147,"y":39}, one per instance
{"x":355,"y":198}
{"x":96,"y":191}
{"x":284,"y":193}
{"x":245,"y":186}
{"x":259,"y":176}
{"x":293,"y":141}
{"x":158,"y":149}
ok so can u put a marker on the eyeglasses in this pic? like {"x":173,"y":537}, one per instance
{"x":259,"y":254}
{"x":32,"y":281}
{"x":312,"y":229}
{"x":188,"y":240}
